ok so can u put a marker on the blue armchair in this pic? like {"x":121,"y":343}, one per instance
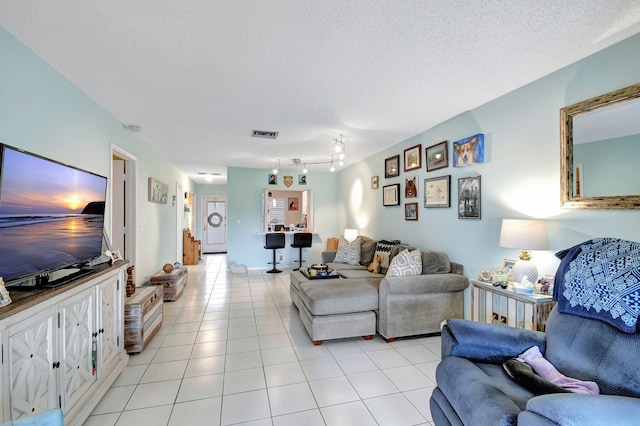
{"x":591,"y":335}
{"x":474,"y":389}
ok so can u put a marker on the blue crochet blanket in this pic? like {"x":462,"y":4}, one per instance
{"x":600,"y":279}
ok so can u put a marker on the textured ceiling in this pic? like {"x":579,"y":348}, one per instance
{"x":198,"y":76}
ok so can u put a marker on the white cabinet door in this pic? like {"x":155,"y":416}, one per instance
{"x":109,"y":341}
{"x":78,"y":340}
{"x":32,"y":368}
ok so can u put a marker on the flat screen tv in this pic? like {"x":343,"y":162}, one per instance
{"x":51,"y":215}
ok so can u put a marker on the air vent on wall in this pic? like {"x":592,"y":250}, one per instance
{"x":264,"y":134}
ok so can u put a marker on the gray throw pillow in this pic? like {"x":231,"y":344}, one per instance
{"x":348,"y":252}
{"x":368,"y":248}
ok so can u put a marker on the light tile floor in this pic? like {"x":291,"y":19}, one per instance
{"x":232,"y":350}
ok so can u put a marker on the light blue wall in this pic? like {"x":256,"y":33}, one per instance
{"x":520,"y":176}
{"x":42,"y":112}
{"x":244,"y":216}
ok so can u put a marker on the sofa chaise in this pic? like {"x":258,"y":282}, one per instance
{"x":361,"y":302}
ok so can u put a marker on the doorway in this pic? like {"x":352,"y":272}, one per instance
{"x":123,"y":192}
{"x":214,"y":229}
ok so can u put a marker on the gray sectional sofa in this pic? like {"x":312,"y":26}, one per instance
{"x":360,"y":302}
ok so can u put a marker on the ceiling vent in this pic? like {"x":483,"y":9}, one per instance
{"x":264,"y":134}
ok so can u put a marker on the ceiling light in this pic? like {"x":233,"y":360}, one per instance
{"x":340,"y":163}
{"x":341,"y":156}
{"x":275,"y":168}
{"x":208,"y":178}
{"x":339,"y":146}
{"x":304,"y":170}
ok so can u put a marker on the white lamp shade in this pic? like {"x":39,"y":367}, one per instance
{"x":523,"y":234}
{"x":350,"y":234}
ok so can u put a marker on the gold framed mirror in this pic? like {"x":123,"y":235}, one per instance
{"x":592,"y":132}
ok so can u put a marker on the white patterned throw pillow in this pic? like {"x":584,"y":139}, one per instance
{"x":348,"y":252}
{"x":406,"y":264}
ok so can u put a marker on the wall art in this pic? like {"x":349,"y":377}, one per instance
{"x":436,"y":192}
{"x":411,"y":211}
{"x":437,"y":156}
{"x":158,"y":191}
{"x":413,"y":158}
{"x":468,"y":151}
{"x":374,"y":182}
{"x":391,"y":195}
{"x":469,"y":199}
{"x":411,"y":187}
{"x":392,"y":166}
{"x":273,"y":179}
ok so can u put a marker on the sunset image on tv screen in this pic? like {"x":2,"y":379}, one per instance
{"x":51,"y":214}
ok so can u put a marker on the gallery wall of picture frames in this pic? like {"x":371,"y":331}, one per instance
{"x":465,"y":152}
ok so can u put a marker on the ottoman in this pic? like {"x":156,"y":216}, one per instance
{"x":335,"y":308}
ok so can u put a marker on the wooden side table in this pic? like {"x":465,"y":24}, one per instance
{"x":504,"y":306}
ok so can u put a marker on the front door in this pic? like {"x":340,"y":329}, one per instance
{"x":214,"y":229}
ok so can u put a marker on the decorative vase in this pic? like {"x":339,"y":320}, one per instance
{"x":131,"y":282}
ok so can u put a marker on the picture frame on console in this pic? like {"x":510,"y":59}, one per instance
{"x":391,"y":195}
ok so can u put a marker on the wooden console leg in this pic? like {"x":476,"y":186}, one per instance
{"x":317,"y":342}
{"x":390,"y":339}
{"x":369,"y":337}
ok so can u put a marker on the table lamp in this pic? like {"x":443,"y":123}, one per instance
{"x":524,"y":234}
{"x":350,"y":234}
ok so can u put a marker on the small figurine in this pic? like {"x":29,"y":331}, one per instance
{"x":5,"y":299}
{"x":544,"y":286}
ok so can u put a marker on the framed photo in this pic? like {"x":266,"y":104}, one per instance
{"x":158,"y":191}
{"x":413,"y":158}
{"x":411,"y":211}
{"x":411,"y":187}
{"x":468,"y":151}
{"x":273,"y":179}
{"x":392,"y":166}
{"x":469,"y":199}
{"x":437,"y":192}
{"x":391,"y":195}
{"x":508,"y":266}
{"x":292,"y":202}
{"x":116,"y":256}
{"x":302,"y":179}
{"x":374,"y":182}
{"x":437,"y":156}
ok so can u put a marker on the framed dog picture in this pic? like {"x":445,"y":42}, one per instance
{"x":392,"y":166}
{"x":468,"y":151}
{"x":391,"y":195}
{"x":437,"y":156}
{"x":411,"y":211}
{"x":413,"y":158}
{"x":469,"y":198}
{"x":436,"y":192}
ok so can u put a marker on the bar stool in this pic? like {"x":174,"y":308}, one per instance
{"x":301,"y":240}
{"x":274,"y":241}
